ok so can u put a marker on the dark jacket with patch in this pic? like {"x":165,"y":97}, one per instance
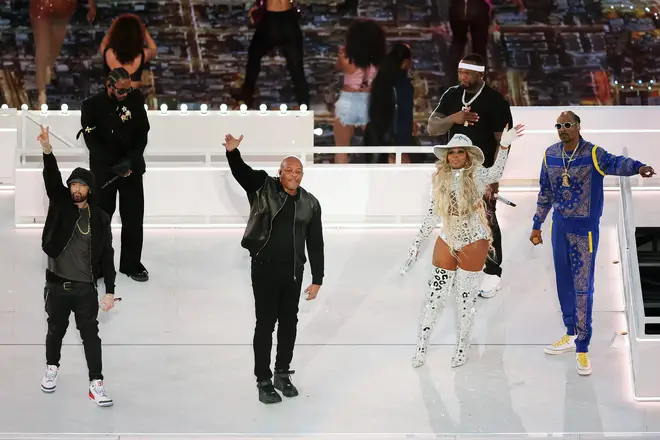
{"x":116,"y":134}
{"x":63,"y":215}
{"x":266,"y":196}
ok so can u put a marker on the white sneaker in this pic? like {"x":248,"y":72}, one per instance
{"x":98,"y":395}
{"x":490,"y":285}
{"x":564,"y":345}
{"x":49,"y":382}
{"x":583,"y":364}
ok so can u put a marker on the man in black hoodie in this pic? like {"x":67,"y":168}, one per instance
{"x":283,"y":217}
{"x":115,"y":126}
{"x":78,"y":242}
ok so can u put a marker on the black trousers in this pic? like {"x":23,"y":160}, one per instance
{"x":494,"y":260}
{"x":476,"y":23}
{"x":276,"y":297}
{"x":82,"y":299}
{"x":131,"y":211}
{"x":277,"y":29}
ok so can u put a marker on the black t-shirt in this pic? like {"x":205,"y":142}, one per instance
{"x":494,"y":113}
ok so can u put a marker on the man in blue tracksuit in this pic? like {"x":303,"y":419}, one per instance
{"x":572,"y":183}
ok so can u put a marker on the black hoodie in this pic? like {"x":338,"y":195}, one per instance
{"x":63,"y":215}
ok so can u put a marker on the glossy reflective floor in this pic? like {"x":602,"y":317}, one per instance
{"x":178,"y":356}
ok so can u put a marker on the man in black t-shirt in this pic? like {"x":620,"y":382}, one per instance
{"x":481,"y":113}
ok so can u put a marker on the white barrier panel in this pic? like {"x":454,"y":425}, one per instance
{"x":182,"y":135}
{"x":9,"y":136}
{"x":175,"y":132}
{"x":387,"y":195}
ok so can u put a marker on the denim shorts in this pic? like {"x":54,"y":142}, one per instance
{"x":352,"y":108}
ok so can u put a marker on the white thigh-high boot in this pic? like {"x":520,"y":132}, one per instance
{"x":466,"y":289}
{"x":440,"y":284}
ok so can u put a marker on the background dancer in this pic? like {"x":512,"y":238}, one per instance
{"x":478,"y":111}
{"x":124,"y":46}
{"x":283,"y":217}
{"x":461,"y":249}
{"x":571,"y":182}
{"x":278,"y":25}
{"x":78,"y":242}
{"x":50,"y":22}
{"x":115,"y":126}
{"x":391,"y":103}
{"x":358,"y":60}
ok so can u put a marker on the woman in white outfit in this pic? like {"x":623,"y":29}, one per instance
{"x":462,"y":247}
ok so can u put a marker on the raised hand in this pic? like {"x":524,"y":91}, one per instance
{"x":511,"y":134}
{"x":44,"y":139}
{"x":231,"y":143}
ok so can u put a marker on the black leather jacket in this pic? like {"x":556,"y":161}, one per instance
{"x":63,"y":215}
{"x":266,"y":196}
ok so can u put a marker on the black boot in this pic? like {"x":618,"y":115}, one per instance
{"x":283,"y":383}
{"x":267,"y":393}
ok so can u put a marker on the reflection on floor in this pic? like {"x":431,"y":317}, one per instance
{"x":178,"y":356}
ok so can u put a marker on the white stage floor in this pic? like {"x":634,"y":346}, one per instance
{"x":178,"y":355}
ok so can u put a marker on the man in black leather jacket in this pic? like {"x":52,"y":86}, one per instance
{"x":115,"y":127}
{"x":78,"y":242}
{"x":283,"y":217}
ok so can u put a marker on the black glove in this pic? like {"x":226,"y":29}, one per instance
{"x":122,"y":167}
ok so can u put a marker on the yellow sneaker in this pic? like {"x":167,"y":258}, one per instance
{"x":564,"y":345}
{"x":583,"y":364}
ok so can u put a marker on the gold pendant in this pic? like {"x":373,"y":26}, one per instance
{"x":564,"y":180}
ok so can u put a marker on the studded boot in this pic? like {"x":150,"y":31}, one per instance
{"x":282,"y":382}
{"x":466,"y":288}
{"x":440,"y":285}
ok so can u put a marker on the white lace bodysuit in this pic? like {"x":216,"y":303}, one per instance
{"x":471,"y":229}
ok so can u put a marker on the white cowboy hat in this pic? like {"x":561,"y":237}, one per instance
{"x":459,"y":141}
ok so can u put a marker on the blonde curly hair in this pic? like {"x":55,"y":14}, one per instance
{"x":455,"y":211}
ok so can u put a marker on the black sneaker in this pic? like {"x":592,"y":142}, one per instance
{"x":283,"y":383}
{"x":267,"y":393}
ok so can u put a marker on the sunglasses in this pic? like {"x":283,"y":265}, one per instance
{"x":565,"y":125}
{"x":123,"y":91}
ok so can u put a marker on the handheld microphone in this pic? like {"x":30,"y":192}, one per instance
{"x":505,"y":201}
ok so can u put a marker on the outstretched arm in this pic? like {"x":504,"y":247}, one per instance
{"x":494,"y":173}
{"x":544,"y":200}
{"x":251,"y":180}
{"x":611,"y":165}
{"x":55,"y":189}
{"x":315,"y":247}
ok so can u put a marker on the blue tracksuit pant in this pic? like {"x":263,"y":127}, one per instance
{"x":574,"y":246}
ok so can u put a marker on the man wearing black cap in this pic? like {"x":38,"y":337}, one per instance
{"x":78,"y":242}
{"x":115,"y":127}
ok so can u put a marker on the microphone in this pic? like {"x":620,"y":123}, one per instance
{"x":505,"y":201}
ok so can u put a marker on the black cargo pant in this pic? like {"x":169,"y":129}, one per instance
{"x":61,"y":299}
{"x":131,"y":212}
{"x":277,"y":290}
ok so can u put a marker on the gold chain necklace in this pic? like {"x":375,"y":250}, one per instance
{"x":565,"y":181}
{"x":89,"y":222}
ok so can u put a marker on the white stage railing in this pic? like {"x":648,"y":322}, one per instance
{"x":9,"y":141}
{"x":644,"y":349}
{"x":188,"y":183}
